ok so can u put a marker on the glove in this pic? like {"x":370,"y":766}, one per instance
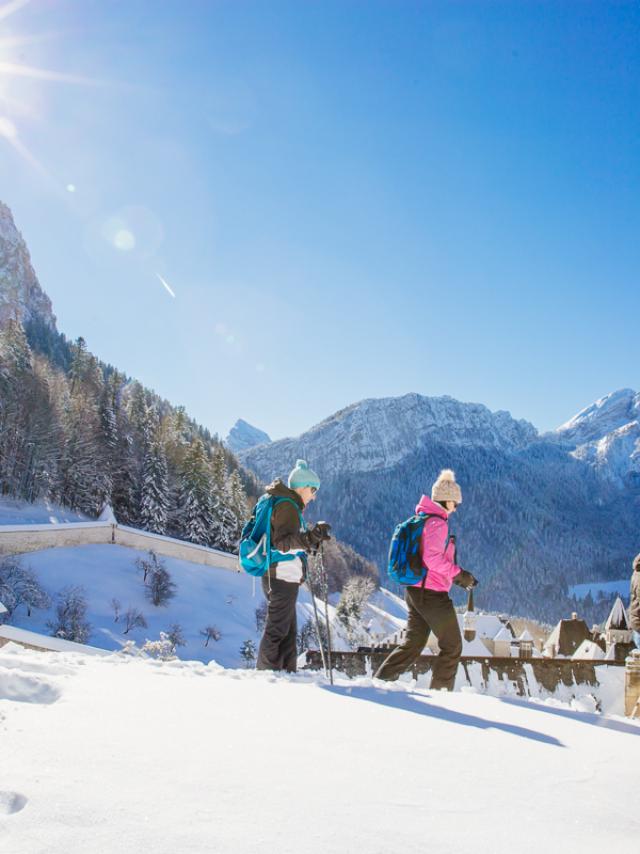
{"x":317,"y":534}
{"x":465,"y":579}
{"x":322,"y":530}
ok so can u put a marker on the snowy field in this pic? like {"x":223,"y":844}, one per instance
{"x":115,"y":754}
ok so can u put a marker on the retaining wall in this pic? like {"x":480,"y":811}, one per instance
{"x":21,"y":539}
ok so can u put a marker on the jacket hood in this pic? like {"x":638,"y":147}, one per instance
{"x":426,"y":505}
{"x":280,"y":490}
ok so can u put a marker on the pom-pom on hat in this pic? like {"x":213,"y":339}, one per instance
{"x":445,"y":488}
{"x":302,"y":475}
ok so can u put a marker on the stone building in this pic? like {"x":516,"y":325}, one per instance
{"x":566,"y":637}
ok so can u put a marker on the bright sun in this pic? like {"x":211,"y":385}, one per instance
{"x":11,"y":106}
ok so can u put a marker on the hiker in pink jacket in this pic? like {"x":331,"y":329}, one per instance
{"x":430,"y":608}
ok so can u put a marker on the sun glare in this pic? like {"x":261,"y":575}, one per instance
{"x":13,"y":6}
{"x":7,"y":128}
{"x":15,"y":106}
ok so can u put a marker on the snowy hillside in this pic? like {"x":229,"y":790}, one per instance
{"x":205,"y":596}
{"x":20,"y":291}
{"x":183,"y":757}
{"x":243,"y":436}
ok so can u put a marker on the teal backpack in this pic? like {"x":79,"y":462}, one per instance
{"x":255,"y":553}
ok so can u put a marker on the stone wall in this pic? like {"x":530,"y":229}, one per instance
{"x":632,"y":685}
{"x":21,"y":539}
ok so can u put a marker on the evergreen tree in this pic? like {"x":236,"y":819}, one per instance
{"x":154,"y":490}
{"x":196,"y":510}
{"x":248,"y":653}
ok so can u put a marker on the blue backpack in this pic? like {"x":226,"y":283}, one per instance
{"x":255,"y":553}
{"x":405,"y":564}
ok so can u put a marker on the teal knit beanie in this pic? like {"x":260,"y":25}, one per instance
{"x":302,"y":475}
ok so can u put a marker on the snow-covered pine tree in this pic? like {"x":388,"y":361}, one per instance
{"x":349,"y":609}
{"x":237,"y":504}
{"x":154,"y":487}
{"x":248,"y":653}
{"x":196,"y":519}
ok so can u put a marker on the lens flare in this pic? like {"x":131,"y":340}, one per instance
{"x":11,"y":7}
{"x":7,"y":128}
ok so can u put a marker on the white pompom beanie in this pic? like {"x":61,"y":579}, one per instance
{"x":445,"y":488}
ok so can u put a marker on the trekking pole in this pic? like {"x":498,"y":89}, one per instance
{"x":317,"y":621}
{"x":326,"y":610}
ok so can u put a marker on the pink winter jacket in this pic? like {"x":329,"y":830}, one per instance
{"x":442,"y":569}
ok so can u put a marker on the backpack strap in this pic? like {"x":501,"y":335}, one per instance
{"x":273,"y":506}
{"x":277,"y":501}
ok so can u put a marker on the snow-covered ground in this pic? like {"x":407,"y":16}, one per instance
{"x":13,"y":512}
{"x":114,"y":754}
{"x":606,"y":588}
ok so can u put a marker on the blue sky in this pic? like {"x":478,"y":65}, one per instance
{"x":348,"y":199}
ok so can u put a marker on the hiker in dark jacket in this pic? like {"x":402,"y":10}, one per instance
{"x":290,"y":543}
{"x":634,"y":601}
{"x":430,"y":608}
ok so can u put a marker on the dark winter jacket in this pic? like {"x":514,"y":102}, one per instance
{"x":286,"y":532}
{"x":634,"y":603}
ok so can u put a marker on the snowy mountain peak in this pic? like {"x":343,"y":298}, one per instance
{"x":21,"y":296}
{"x":607,"y":435}
{"x":243,"y":436}
{"x":602,"y":417}
{"x":377,"y":433}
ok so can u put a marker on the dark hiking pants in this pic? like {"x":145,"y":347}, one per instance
{"x":278,"y":650}
{"x":429,"y":611}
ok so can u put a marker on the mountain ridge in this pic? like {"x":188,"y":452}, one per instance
{"x":21,"y":296}
{"x":536,"y":517}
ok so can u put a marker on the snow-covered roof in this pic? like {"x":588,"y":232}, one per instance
{"x":611,"y":653}
{"x":3,"y":610}
{"x":617,"y":619}
{"x":589,"y":650}
{"x":526,"y":636}
{"x":567,"y":636}
{"x":11,"y":633}
{"x":504,"y":635}
{"x":475,"y":648}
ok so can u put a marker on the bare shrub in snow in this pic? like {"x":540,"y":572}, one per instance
{"x":116,"y":607}
{"x":211,"y":633}
{"x":305,"y":636}
{"x":149,"y":564}
{"x":176,"y":635}
{"x":70,"y":621}
{"x":133,"y":619}
{"x":160,"y":587}
{"x":20,"y":586}
{"x":162,"y":649}
{"x":129,"y":648}
{"x":248,"y":652}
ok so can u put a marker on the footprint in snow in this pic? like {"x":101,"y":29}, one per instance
{"x":11,"y":802}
